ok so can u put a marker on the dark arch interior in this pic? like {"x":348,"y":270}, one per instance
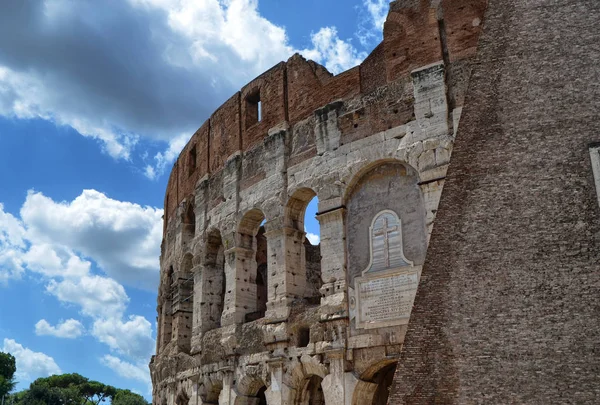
{"x":262,"y":399}
{"x":312,"y":394}
{"x":383,"y":378}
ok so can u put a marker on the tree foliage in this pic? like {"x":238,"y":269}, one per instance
{"x":8,"y":367}
{"x":74,"y":389}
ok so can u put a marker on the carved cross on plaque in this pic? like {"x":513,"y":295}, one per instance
{"x":386,"y":243}
{"x":385,"y":232}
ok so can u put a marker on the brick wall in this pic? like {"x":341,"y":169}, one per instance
{"x":507,"y":310}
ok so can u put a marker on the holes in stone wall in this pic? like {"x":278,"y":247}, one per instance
{"x":303,"y":336}
{"x":213,"y":283}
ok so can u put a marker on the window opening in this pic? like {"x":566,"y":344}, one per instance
{"x":303,"y":336}
{"x":192,"y":161}
{"x":253,"y":108}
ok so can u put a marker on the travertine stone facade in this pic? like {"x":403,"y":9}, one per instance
{"x":249,"y":312}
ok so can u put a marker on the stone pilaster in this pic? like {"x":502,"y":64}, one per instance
{"x":240,"y":291}
{"x":333,"y":266}
{"x":287,"y":270}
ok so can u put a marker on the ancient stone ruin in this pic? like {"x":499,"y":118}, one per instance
{"x":249,"y":312}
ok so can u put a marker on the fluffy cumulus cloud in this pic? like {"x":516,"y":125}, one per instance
{"x":127,"y":370}
{"x":139,"y":344}
{"x":96,"y":296}
{"x":121,"y":237}
{"x":374,"y":15}
{"x":60,"y":241}
{"x":118,"y":71}
{"x":12,"y":242}
{"x":69,"y":329}
{"x":313,"y":238}
{"x":30,"y":364}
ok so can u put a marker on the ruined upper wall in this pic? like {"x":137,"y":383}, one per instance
{"x":416,"y":33}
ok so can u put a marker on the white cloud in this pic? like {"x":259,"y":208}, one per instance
{"x":69,"y":329}
{"x":374,"y":15}
{"x":97,"y":296}
{"x":30,"y":364}
{"x":175,"y":62}
{"x":121,"y":237}
{"x":337,"y":55}
{"x":12,"y":243}
{"x":314,"y":239}
{"x":132,"y":338}
{"x":138,"y":372}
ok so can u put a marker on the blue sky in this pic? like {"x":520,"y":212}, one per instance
{"x":96,"y":101}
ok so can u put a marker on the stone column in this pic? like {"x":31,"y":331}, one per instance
{"x":338,"y":386}
{"x":333,"y":264}
{"x":278,"y":393}
{"x":287,"y":270}
{"x":225,"y":397}
{"x":240,"y":291}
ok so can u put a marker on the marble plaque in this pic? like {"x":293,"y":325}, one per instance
{"x":385,"y":299}
{"x":385,"y":293}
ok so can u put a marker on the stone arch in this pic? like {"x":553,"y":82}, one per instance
{"x":188,"y":219}
{"x":210,"y":288}
{"x":300,"y":375}
{"x":312,"y":392}
{"x":374,"y":383}
{"x":210,"y":390}
{"x":250,"y":390}
{"x":296,"y":207}
{"x":387,"y":184}
{"x":353,"y":174}
{"x":182,"y":397}
{"x":251,"y":290}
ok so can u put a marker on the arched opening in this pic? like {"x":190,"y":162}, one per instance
{"x":251,"y":238}
{"x":312,"y":392}
{"x":189,"y":220}
{"x":262,"y":399}
{"x":261,"y":273}
{"x":374,"y":385}
{"x":209,"y":393}
{"x":212,"y":285}
{"x":301,"y":214}
{"x":182,"y":399}
{"x":383,"y":378}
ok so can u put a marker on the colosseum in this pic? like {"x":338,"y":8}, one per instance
{"x":250,"y":312}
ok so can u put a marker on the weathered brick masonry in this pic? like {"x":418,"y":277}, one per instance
{"x":508,"y":309}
